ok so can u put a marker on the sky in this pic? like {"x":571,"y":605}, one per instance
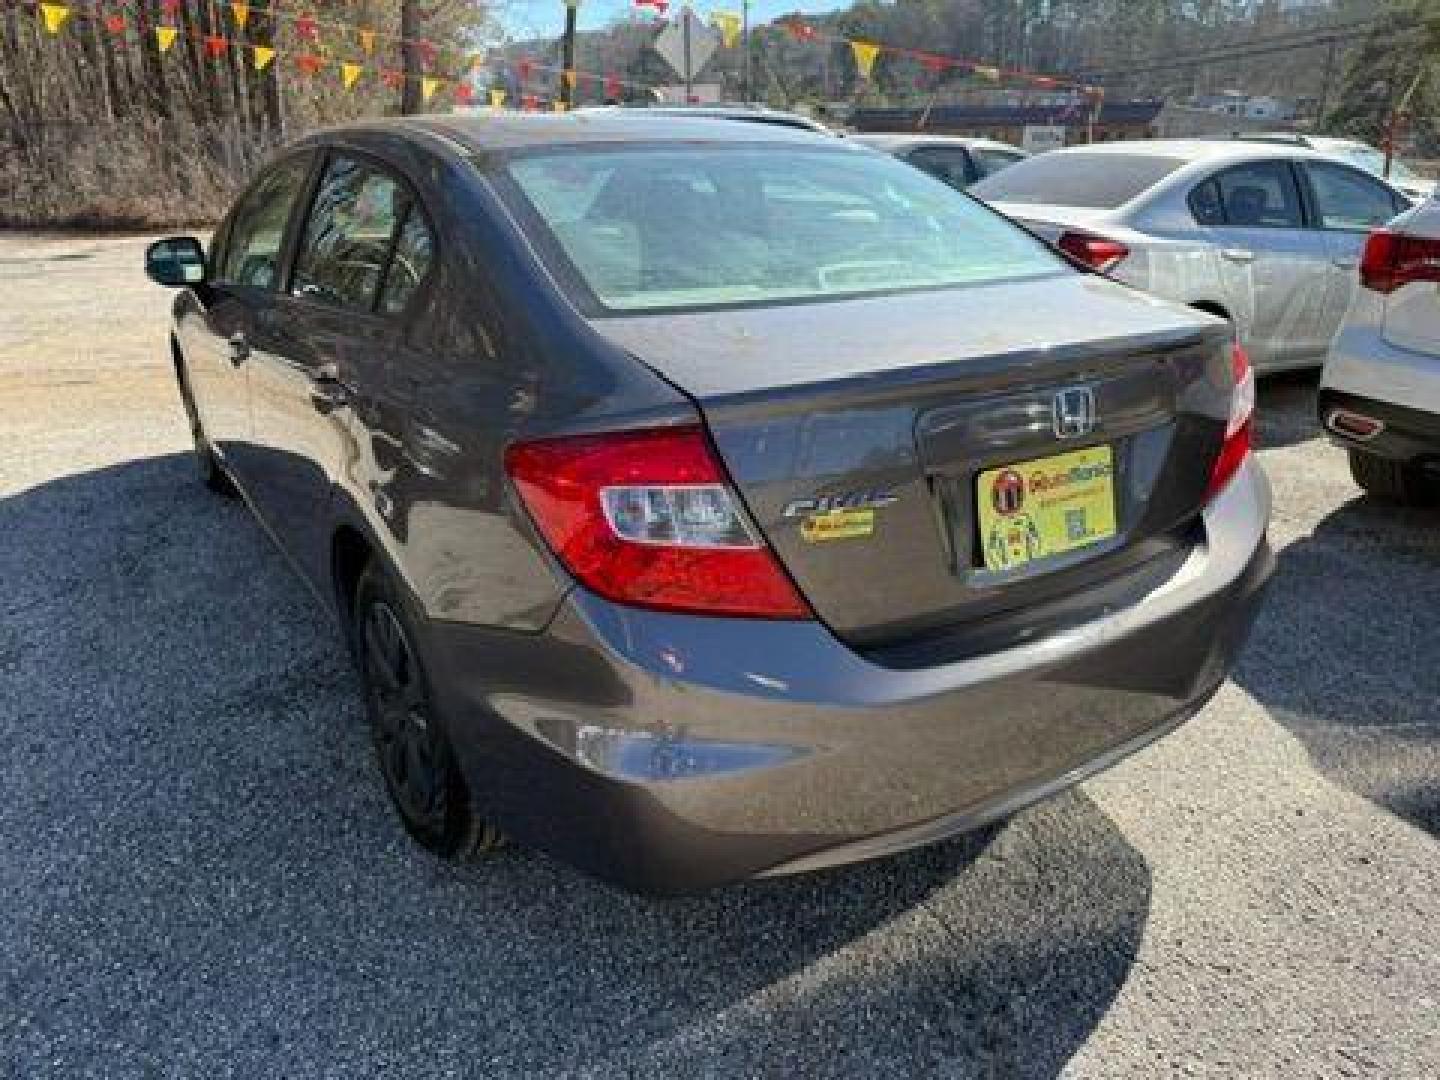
{"x":524,"y":19}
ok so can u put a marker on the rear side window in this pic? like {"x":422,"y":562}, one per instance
{"x":1077,"y":178}
{"x":1347,"y":199}
{"x":346,"y":245}
{"x":1205,"y":204}
{"x":257,"y":228}
{"x":989,"y":161}
{"x":947,"y":164}
{"x":1259,"y":195}
{"x":409,"y":264}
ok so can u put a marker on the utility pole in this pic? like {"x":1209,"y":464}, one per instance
{"x":745,"y":47}
{"x":686,"y":16}
{"x":567,"y":62}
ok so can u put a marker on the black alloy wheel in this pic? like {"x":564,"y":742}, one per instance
{"x":424,"y":782}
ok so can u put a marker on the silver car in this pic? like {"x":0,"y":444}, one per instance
{"x":1267,"y":236}
{"x":956,"y":161}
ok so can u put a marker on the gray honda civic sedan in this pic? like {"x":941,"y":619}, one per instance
{"x":703,"y":501}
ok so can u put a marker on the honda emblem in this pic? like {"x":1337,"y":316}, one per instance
{"x":1073,"y":412}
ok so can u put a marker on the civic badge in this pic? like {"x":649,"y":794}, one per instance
{"x":1072,"y":413}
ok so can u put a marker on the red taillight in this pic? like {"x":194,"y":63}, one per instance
{"x":1096,"y":252}
{"x":1394,"y":259}
{"x":648,"y":518}
{"x":1239,"y":428}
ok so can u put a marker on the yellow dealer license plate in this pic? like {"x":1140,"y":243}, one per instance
{"x":1039,"y":509}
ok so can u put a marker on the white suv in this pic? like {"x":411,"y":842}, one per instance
{"x":1380,"y":394}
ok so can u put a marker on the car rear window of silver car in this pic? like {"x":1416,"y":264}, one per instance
{"x":655,"y":229}
{"x":1099,"y":180}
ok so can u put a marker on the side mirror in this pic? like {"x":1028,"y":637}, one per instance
{"x":176,"y":261}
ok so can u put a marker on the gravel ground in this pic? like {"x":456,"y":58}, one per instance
{"x":201,"y":876}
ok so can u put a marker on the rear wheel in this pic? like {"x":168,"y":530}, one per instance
{"x":1394,"y":481}
{"x":411,"y":745}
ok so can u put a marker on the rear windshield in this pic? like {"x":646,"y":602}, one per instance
{"x":1103,"y":181}
{"x":653,"y":229}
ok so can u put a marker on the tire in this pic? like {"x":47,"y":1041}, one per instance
{"x":411,"y":745}
{"x":212,"y":474}
{"x":1394,"y":481}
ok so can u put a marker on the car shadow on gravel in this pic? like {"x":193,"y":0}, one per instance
{"x":1345,"y":654}
{"x":202,"y":874}
{"x":1285,"y":408}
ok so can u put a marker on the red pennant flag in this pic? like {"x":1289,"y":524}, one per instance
{"x":463,"y":93}
{"x":612,"y":86}
{"x":527,"y":102}
{"x":215,"y":46}
{"x":933,"y":63}
{"x":523,"y":67}
{"x":309,"y":63}
{"x":115,"y":24}
{"x":426,"y":51}
{"x":800,"y":31}
{"x":305,"y":27}
{"x":169,"y":7}
{"x":393,"y":79}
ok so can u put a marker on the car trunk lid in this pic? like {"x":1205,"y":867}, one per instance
{"x":859,"y":434}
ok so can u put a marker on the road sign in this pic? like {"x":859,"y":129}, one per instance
{"x":687,"y":44}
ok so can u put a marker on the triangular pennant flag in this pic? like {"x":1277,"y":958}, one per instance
{"x":115,"y":23}
{"x":571,"y":77}
{"x":865,"y":54}
{"x":349,"y":73}
{"x":263,"y":55}
{"x":165,"y":37}
{"x":612,"y":87}
{"x":729,"y":24}
{"x":54,"y":16}
{"x":428,"y":85}
{"x":215,"y":46}
{"x":497,"y":98}
{"x":305,"y":27}
{"x":558,"y":104}
{"x":169,"y":7}
{"x":990,"y":74}
{"x":426,"y":51}
{"x":392,"y":78}
{"x":367,"y":41}
{"x":529,"y":102}
{"x":464,"y":92}
{"x":240,"y":13}
{"x":522,"y":69}
{"x":309,"y":63}
{"x":930,"y":62}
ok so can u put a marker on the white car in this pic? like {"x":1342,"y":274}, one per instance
{"x":1380,"y":393}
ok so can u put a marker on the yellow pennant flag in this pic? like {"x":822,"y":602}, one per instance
{"x":729,"y":24}
{"x":241,"y":13}
{"x":558,"y":104}
{"x":865,"y":54}
{"x":263,"y":55}
{"x":570,"y":77}
{"x":165,"y":37}
{"x":428,"y":86}
{"x":54,"y":16}
{"x":990,"y":74}
{"x":349,"y":73}
{"x":497,"y":98}
{"x":367,"y":41}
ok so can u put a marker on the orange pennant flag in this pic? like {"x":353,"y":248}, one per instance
{"x":497,"y":98}
{"x":428,"y":85}
{"x":165,"y":37}
{"x":263,"y":55}
{"x":54,"y":16}
{"x":241,"y":14}
{"x":865,"y":54}
{"x":309,"y":63}
{"x":349,"y":73}
{"x":367,"y":41}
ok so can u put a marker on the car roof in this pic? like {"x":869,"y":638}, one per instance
{"x":1194,"y":150}
{"x":897,"y":139}
{"x":481,"y":132}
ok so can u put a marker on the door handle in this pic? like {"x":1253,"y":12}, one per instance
{"x":239,"y":349}
{"x":327,"y":391}
{"x":1346,"y":264}
{"x":1238,"y":255}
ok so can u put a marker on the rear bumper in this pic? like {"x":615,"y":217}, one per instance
{"x":1407,"y":434}
{"x":671,"y":753}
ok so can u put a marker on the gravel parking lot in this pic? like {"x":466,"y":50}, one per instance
{"x":201,"y":876}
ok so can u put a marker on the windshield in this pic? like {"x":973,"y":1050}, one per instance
{"x":650,"y":229}
{"x":1098,"y":180}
